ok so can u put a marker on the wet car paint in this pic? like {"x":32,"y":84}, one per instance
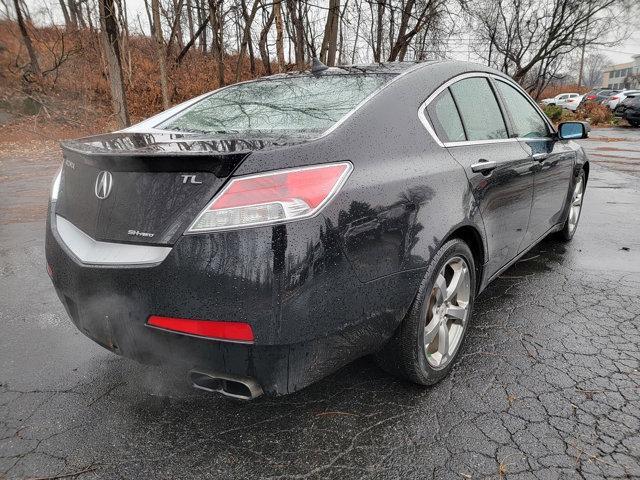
{"x":319,"y":292}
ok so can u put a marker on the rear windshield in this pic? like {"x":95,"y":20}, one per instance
{"x":280,"y":106}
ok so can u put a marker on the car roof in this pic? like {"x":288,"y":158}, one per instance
{"x":393,"y":68}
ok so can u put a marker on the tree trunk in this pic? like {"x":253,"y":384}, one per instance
{"x":404,"y":38}
{"x":298,"y":37}
{"x":262,"y":44}
{"x":217,"y":40}
{"x":377,"y":53}
{"x":89,"y":21}
{"x":164,"y":83}
{"x":109,"y":36}
{"x":190,"y":18}
{"x":176,"y":29}
{"x":33,"y":57}
{"x":277,"y":9}
{"x":202,"y":18}
{"x":246,"y":34}
{"x":73,"y":13}
{"x":65,"y":14}
{"x":330,"y":39}
{"x":195,"y":35}
{"x":149,"y":17}
{"x":355,"y":42}
{"x":81,"y":22}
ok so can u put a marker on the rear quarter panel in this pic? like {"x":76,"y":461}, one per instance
{"x":405,"y":195}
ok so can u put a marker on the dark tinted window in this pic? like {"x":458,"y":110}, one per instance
{"x":303,"y":104}
{"x":526,"y":121}
{"x":479,"y":109}
{"x":445,"y":119}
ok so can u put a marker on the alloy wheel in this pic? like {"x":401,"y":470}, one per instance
{"x":576,"y":204}
{"x":447,"y":313}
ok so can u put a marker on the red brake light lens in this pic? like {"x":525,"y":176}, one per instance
{"x":272,"y":197}
{"x":236,"y":331}
{"x":614,"y":98}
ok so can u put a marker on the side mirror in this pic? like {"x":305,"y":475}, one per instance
{"x":573,"y":130}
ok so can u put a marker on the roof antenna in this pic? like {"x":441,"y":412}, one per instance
{"x":317,"y":66}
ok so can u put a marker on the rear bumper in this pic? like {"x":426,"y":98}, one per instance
{"x":309,"y":312}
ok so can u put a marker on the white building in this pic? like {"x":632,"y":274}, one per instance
{"x":623,"y":75}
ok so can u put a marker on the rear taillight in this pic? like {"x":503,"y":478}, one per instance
{"x":273,"y":197}
{"x":591,"y":97}
{"x":613,"y":98}
{"x":235,"y":331}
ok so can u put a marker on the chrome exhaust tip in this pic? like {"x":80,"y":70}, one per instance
{"x":242,"y":388}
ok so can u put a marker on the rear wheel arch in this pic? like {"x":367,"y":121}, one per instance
{"x":471,"y":236}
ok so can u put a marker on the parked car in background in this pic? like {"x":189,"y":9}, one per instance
{"x":629,"y":110}
{"x":573,"y":103}
{"x":613,"y":100}
{"x":264,"y":235}
{"x":597,"y":96}
{"x":560,"y":99}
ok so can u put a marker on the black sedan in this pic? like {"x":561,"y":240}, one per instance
{"x":629,"y":110}
{"x":264,"y":235}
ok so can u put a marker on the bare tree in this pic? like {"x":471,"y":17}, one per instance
{"x":263,"y":42}
{"x":26,"y":39}
{"x":277,"y":11}
{"x":330,"y":39}
{"x":248,"y":18}
{"x":216,"y":18}
{"x":522,"y":36}
{"x":294,"y":9}
{"x":594,"y":64}
{"x":111,"y":47}
{"x":157,"y":28}
{"x":415,"y":17}
{"x":65,"y":13}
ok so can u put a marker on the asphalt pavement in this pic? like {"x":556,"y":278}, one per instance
{"x":547,"y":385}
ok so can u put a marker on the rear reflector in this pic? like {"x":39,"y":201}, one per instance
{"x":272,"y":197}
{"x":236,"y":331}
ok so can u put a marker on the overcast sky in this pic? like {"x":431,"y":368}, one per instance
{"x":619,"y":54}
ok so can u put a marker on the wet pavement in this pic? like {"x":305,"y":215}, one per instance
{"x":617,"y":148}
{"x":547,"y":386}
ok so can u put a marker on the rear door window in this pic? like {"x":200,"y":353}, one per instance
{"x":445,"y":118}
{"x":478,"y":107}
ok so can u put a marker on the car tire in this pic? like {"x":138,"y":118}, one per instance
{"x":575,"y":209}
{"x":634,"y":124}
{"x":415,"y":352}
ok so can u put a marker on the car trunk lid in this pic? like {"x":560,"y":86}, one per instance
{"x":153,"y":185}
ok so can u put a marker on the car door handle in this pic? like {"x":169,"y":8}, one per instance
{"x":483,"y":166}
{"x":540,"y":157}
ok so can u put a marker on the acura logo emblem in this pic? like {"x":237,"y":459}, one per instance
{"x":104,"y":182}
